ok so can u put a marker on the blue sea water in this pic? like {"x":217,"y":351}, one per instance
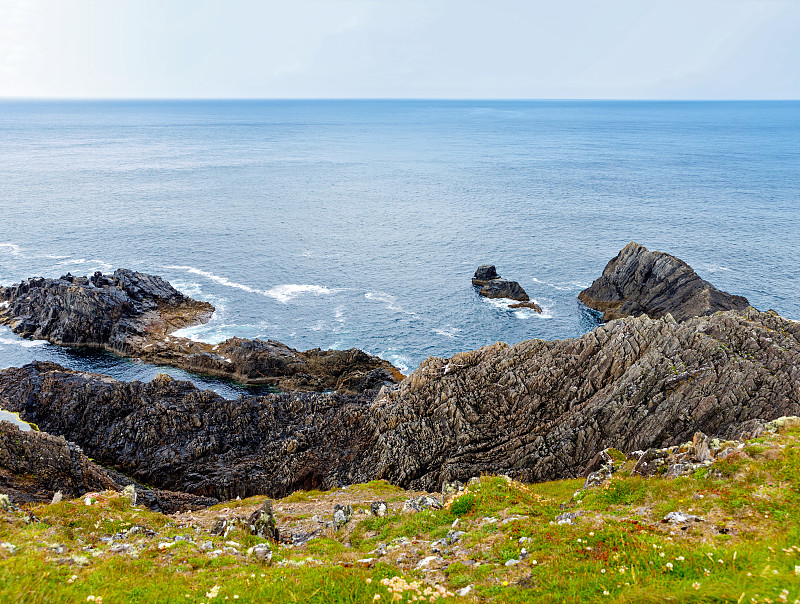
{"x":334,"y":224}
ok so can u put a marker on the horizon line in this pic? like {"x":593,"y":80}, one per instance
{"x":465,"y":99}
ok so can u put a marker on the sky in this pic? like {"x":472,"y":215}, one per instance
{"x":531,"y":49}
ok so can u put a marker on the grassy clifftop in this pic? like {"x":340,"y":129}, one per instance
{"x":499,"y":541}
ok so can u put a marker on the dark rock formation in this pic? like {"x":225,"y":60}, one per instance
{"x":484,"y":274}
{"x":503,"y":288}
{"x":169,"y":434}
{"x":132,"y":314}
{"x":638,"y":281}
{"x":34,"y":465}
{"x":493,"y":285}
{"x":535,"y":411}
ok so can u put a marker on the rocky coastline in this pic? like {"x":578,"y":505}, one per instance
{"x":534,"y":411}
{"x":134,"y":315}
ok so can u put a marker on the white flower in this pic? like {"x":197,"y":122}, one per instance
{"x":669,"y":565}
{"x":213,"y":592}
{"x":696,"y":585}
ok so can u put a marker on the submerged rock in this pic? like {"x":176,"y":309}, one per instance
{"x":639,"y":281}
{"x":133,"y":314}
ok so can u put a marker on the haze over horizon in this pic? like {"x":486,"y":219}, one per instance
{"x":245,"y":49}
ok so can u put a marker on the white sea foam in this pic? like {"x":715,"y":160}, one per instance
{"x":338,"y":314}
{"x":216,"y":278}
{"x":520,"y":313}
{"x":23,"y":343}
{"x":318,"y":326}
{"x":401,"y":361}
{"x":450,"y":332}
{"x":285,"y":293}
{"x":281,"y":293}
{"x":12,"y":248}
{"x":389,"y":300}
{"x":562,"y":287}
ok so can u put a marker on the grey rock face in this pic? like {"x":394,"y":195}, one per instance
{"x":503,"y":288}
{"x":639,"y":281}
{"x":132,"y":314}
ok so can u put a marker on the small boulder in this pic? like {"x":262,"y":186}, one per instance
{"x":425,"y":502}
{"x":261,"y":552}
{"x":262,"y":522}
{"x":532,"y":305}
{"x":341,"y":515}
{"x":379,"y":508}
{"x":484,"y":274}
{"x":702,"y":450}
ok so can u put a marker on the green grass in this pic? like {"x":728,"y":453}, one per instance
{"x":746,"y":550}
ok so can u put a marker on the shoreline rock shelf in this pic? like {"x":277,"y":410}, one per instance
{"x":133,"y":314}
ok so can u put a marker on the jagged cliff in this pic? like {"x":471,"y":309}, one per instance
{"x":536,"y":410}
{"x":133,"y":314}
{"x":639,"y":281}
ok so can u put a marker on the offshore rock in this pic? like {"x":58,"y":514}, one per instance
{"x":39,"y":467}
{"x":484,"y":274}
{"x":639,"y":281}
{"x":503,"y":288}
{"x":535,"y":411}
{"x":133,"y":314}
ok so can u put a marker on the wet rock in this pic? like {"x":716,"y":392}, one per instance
{"x":484,"y":274}
{"x":503,"y":288}
{"x":532,"y":305}
{"x":536,"y":411}
{"x":639,"y":281}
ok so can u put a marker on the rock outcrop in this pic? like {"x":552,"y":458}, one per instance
{"x":484,"y":274}
{"x":535,"y":411}
{"x":639,"y":281}
{"x":35,"y":465}
{"x":493,"y":285}
{"x":133,"y":314}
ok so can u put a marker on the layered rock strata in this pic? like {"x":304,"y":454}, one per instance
{"x":638,"y":281}
{"x":35,"y":465}
{"x":133,"y":314}
{"x":536,"y":411}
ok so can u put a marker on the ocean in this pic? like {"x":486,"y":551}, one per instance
{"x":338,"y":224}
